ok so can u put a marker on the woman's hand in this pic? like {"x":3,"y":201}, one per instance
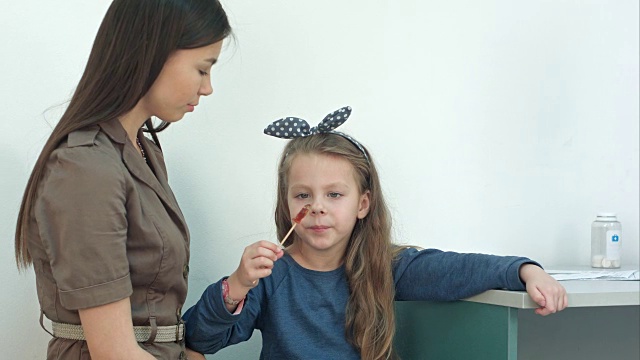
{"x":193,"y":355}
{"x":256,"y":263}
{"x":543,"y":289}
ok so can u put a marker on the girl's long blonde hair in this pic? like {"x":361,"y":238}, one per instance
{"x":370,"y":316}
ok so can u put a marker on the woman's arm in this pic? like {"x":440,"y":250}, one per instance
{"x":193,"y":355}
{"x":109,"y":332}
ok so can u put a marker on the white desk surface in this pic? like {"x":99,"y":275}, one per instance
{"x":581,"y":293}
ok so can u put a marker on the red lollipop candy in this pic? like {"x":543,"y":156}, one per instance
{"x":303,"y":212}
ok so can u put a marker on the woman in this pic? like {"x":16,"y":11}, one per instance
{"x":98,"y":221}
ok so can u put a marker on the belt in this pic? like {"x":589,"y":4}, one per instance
{"x":164,"y":334}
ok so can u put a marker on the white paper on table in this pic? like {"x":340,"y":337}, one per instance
{"x":595,"y":274}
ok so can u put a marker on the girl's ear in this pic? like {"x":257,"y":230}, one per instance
{"x":363,"y":209}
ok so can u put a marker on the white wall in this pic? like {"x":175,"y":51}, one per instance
{"x":497,"y":126}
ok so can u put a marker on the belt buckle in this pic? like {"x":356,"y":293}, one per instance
{"x":179,"y":327}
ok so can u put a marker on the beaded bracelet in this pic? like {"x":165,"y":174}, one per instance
{"x":225,"y":294}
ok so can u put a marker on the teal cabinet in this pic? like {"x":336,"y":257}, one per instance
{"x":457,"y":330}
{"x":602,"y":322}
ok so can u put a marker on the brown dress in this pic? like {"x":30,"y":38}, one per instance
{"x":105,"y":227}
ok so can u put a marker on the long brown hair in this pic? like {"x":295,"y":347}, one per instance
{"x":370,"y":317}
{"x":134,"y":41}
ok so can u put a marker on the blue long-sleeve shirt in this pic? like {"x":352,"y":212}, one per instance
{"x":301,"y":312}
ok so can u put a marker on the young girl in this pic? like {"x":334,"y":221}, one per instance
{"x":98,"y":221}
{"x":330,"y":294}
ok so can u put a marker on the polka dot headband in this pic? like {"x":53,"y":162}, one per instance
{"x":292,"y":127}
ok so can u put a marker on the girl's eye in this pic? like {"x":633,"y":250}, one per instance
{"x":203,"y":73}
{"x":302,"y":196}
{"x":334,"y":195}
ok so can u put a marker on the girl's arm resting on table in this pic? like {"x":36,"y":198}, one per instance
{"x":435,"y":275}
{"x":109,"y":332}
{"x":543,"y":289}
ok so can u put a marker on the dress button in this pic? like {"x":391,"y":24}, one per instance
{"x":183,"y":356}
{"x":185,"y":271}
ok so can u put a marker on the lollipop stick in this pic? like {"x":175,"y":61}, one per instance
{"x":289,"y":233}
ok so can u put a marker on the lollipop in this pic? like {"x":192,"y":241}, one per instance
{"x":303,"y":212}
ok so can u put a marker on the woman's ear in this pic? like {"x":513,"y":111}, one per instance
{"x":363,"y":209}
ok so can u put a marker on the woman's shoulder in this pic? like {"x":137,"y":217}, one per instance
{"x":86,"y":154}
{"x":87,"y":144}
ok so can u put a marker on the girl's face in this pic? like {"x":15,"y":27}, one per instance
{"x":183,"y":79}
{"x":329,"y":184}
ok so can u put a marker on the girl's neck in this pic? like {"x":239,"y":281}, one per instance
{"x":315,"y":260}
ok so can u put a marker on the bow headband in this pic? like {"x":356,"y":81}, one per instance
{"x":292,"y":127}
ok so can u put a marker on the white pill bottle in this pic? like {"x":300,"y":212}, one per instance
{"x":606,"y":241}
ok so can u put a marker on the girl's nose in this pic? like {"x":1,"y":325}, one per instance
{"x":317,"y":208}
